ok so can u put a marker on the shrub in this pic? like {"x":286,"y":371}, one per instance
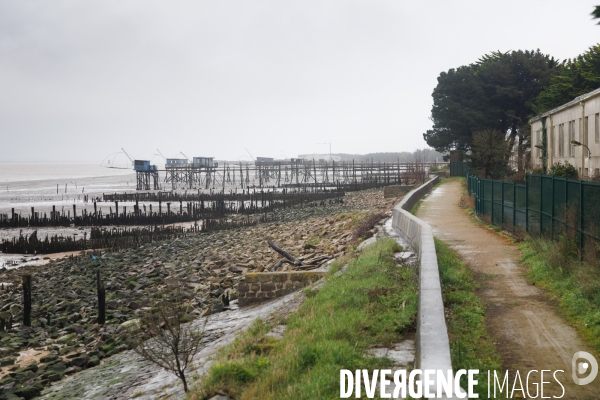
{"x":565,"y":170}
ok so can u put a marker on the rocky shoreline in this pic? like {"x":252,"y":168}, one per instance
{"x":65,"y":338}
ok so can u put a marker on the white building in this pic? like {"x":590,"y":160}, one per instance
{"x":576,"y":120}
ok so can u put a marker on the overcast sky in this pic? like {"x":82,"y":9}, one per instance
{"x":81,"y":79}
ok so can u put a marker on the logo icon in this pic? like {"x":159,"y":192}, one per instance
{"x":579,"y":367}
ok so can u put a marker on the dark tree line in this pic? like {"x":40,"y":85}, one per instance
{"x":486,"y":106}
{"x":574,"y":77}
{"x":497,"y":92}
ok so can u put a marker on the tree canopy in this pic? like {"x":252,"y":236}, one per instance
{"x":574,"y":78}
{"x":460,"y":107}
{"x":596,"y":14}
{"x":496,"y":92}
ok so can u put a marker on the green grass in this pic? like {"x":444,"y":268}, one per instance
{"x":470,"y":344}
{"x":373,"y":304}
{"x":575,"y":285}
{"x":415,"y":208}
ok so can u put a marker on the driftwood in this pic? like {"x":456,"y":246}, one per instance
{"x":289,"y":259}
{"x":298,"y":263}
{"x":280,"y":262}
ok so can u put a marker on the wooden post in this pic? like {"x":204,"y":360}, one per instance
{"x":26,"y":300}
{"x":101,"y":299}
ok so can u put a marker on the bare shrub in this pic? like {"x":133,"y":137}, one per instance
{"x":591,"y":250}
{"x":593,"y":177}
{"x":467,"y":201}
{"x":416,"y":172}
{"x":519,"y":234}
{"x":517,"y":177}
{"x":368,"y":223}
{"x":161,"y":335}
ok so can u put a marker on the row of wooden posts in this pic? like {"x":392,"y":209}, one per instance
{"x":217,"y":207}
{"x":26,"y":282}
{"x":121,"y":238}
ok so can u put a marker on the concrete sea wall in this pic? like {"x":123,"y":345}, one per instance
{"x":432,"y":343}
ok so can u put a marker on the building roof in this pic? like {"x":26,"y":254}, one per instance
{"x":575,"y":101}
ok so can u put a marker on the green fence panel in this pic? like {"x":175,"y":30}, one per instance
{"x":508,"y":205}
{"x":458,"y":168}
{"x":497,"y":203}
{"x":545,"y":205}
{"x":534,"y":192}
{"x":486,"y":196}
{"x":591,"y":210}
{"x":559,"y":199}
{"x":521,"y":207}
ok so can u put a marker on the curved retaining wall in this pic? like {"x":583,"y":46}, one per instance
{"x":433,"y":346}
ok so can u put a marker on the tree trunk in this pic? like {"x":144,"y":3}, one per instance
{"x":185,"y":386}
{"x":521,"y":151}
{"x":511,"y":143}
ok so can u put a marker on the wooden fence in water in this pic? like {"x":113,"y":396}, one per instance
{"x":114,"y":239}
{"x":206,"y":207}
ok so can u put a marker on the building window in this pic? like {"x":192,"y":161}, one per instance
{"x":561,"y":140}
{"x":571,"y":137}
{"x":539,"y":142}
{"x":585,"y":132}
{"x":551,"y":141}
{"x":597,"y":127}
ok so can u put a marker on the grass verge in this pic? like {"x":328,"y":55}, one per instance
{"x":470,"y":343}
{"x":574,"y":284}
{"x":373,"y":304}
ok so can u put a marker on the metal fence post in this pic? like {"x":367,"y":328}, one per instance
{"x":478,"y":188}
{"x":514,"y":219}
{"x":527,"y":203}
{"x":566,"y":199}
{"x":502,"y":201}
{"x":492,"y":202}
{"x":580,"y":216}
{"x":552,"y":209}
{"x":541,"y":206}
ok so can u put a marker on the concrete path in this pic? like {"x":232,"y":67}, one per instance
{"x":528,"y":331}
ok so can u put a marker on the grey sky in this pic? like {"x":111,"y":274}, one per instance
{"x":81,"y":79}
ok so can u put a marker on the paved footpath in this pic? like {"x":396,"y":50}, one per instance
{"x":528,"y":331}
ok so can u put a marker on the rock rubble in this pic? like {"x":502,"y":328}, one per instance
{"x":64,"y":335}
